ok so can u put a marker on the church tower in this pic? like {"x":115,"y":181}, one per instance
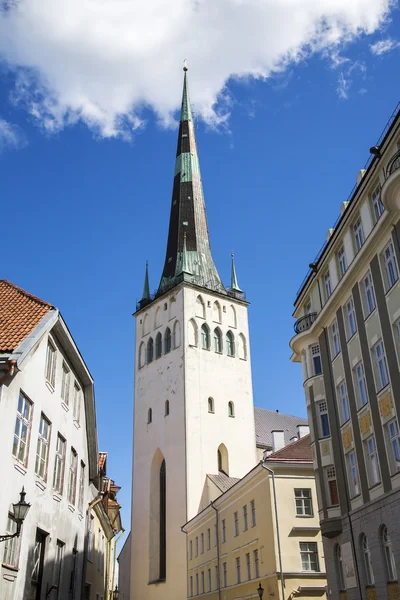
{"x":193,"y":411}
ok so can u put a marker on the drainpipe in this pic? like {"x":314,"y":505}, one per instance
{"x":218,"y":557}
{"x":277,"y":527}
{"x":111,"y":568}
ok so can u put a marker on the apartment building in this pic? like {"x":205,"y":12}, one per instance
{"x":261,"y":529}
{"x":347,"y":338}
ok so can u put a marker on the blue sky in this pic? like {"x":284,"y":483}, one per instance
{"x":84,"y":207}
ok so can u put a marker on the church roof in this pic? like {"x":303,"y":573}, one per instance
{"x":223,"y":482}
{"x":267,"y":421}
{"x":299,"y":451}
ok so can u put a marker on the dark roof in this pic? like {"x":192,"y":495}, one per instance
{"x":268,"y":421}
{"x":299,"y":451}
{"x":223,"y":482}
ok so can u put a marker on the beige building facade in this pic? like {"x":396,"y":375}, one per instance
{"x":347,"y":337}
{"x":264,"y":529}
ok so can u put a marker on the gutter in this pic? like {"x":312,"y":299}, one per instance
{"x":218,"y":556}
{"x":277,"y":528}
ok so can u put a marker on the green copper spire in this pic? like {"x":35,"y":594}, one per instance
{"x":186,"y":110}
{"x":234,"y":282}
{"x":185,"y":260}
{"x":146,"y":287}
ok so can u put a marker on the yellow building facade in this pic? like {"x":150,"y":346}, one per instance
{"x":264,"y":529}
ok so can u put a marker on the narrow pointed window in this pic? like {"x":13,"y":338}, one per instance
{"x":242,"y":349}
{"x":163,"y":519}
{"x":230,"y":344}
{"x":231,"y":409}
{"x":200,"y":308}
{"x":150,"y":350}
{"x":149,"y":416}
{"x":158,"y":345}
{"x":216,"y":312}
{"x":211,"y":405}
{"x":142,"y":355}
{"x":167,"y":341}
{"x":192,"y":332}
{"x":177,"y":334}
{"x":166,"y":408}
{"x":205,"y":337}
{"x":223,"y":463}
{"x":217,"y":340}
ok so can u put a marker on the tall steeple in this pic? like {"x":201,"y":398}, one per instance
{"x":188,"y":246}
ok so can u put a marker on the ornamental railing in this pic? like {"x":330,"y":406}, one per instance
{"x":305,"y":322}
{"x":393,"y":165}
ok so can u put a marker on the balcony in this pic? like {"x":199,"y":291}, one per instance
{"x":391,"y":188}
{"x":305,"y":322}
{"x":393,"y":165}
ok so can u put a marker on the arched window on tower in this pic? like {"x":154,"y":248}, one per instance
{"x":177,"y":334}
{"x":211,"y":405}
{"x":142,"y":355}
{"x":230,"y":344}
{"x":366,"y":552}
{"x":158,"y":318}
{"x":149,"y":416}
{"x":216,"y":312}
{"x":391,"y":572}
{"x":200,"y":308}
{"x":231,"y":409}
{"x":150,"y":350}
{"x":339,"y":568}
{"x":223,"y":463}
{"x":192,"y":333}
{"x":205,"y":337}
{"x":232,"y":316}
{"x":166,"y":408}
{"x":242,"y":347}
{"x":163,"y":521}
{"x":158,"y":345}
{"x":167,"y":341}
{"x":217,"y":340}
{"x":146,"y":324}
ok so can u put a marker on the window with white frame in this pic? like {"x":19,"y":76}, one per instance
{"x":335,"y":341}
{"x":354,"y":482}
{"x":256,"y":565}
{"x":22,"y":429}
{"x":236,"y":523}
{"x":248,"y":566}
{"x":341,"y":261}
{"x":81,"y":487}
{"x":59,"y":465}
{"x":376,"y":202}
{"x":316,"y":359}
{"x":42,"y":447}
{"x":391,"y":273}
{"x":327,"y":285}
{"x":309,"y":556}
{"x":191,"y":550}
{"x":224,"y":575}
{"x":73,"y":466}
{"x":51,"y":357}
{"x":208,"y":539}
{"x":393,"y":435}
{"x":223,"y":531}
{"x":11,"y":546}
{"x":65,"y":381}
{"x":358,"y":234}
{"x":253,"y":513}
{"x":197,"y":546}
{"x":381,"y":368}
{"x":351,"y":323}
{"x":369,"y":573}
{"x":371,"y":454}
{"x":368,"y":295}
{"x":324,"y":429}
{"x":341,"y":392}
{"x":333,"y":495}
{"x":238,"y":579}
{"x":303,"y":498}
{"x":245,"y":523}
{"x":202,"y":543}
{"x":361,"y":386}
{"x":77,"y":402}
{"x":391,"y":571}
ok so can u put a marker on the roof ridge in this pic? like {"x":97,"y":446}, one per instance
{"x":270,"y":410}
{"x":293,"y":445}
{"x":25,"y":293}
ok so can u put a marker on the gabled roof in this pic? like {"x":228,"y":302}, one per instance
{"x":222,"y":481}
{"x":299,"y":451}
{"x":267,"y":421}
{"x":20,"y":313}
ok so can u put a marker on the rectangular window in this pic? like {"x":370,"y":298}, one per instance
{"x":209,"y":579}
{"x":353,"y":474}
{"x":197,"y":584}
{"x":59,"y":465}
{"x":208,"y":539}
{"x":216,"y":577}
{"x":316,"y":359}
{"x":42,"y":447}
{"x":65,"y":384}
{"x":223,"y":531}
{"x":350,"y":319}
{"x":341,"y":261}
{"x":81,"y":488}
{"x":236,"y":523}
{"x":238,"y":569}
{"x":248,"y":566}
{"x":394,"y":442}
{"x":215,"y":535}
{"x":309,"y":556}
{"x":77,"y":402}
{"x":245,"y":524}
{"x":224,"y":575}
{"x":51,"y":356}
{"x":197,"y":546}
{"x":202,"y":582}
{"x":391,"y":273}
{"x":334,"y":336}
{"x":22,"y":429}
{"x":341,"y":393}
{"x":358,"y":234}
{"x":304,"y":507}
{"x":11,"y":546}
{"x":90,"y":538}
{"x":191,"y":586}
{"x":377,"y":206}
{"x":253,"y":513}
{"x":361,"y":386}
{"x":256,"y":567}
{"x":374,"y":475}
{"x":202,"y":543}
{"x":58,"y":563}
{"x":190,"y":550}
{"x":327,"y":286}
{"x":381,"y":369}
{"x":73,"y":465}
{"x":333,"y":496}
{"x":323,"y":420}
{"x":369,"y":295}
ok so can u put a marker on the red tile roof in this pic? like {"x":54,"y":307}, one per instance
{"x":299,"y":451}
{"x":20,"y":312}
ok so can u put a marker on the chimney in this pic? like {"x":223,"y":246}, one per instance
{"x":278,"y":440}
{"x":329,"y":233}
{"x":360,"y":175}
{"x":343,"y":207}
{"x":303,"y":430}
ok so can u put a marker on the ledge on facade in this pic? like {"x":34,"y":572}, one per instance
{"x":331,"y":528}
{"x":317,"y":590}
{"x":314,"y":529}
{"x":156,"y":581}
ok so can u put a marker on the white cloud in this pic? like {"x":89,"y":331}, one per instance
{"x":11,"y":136}
{"x":384,"y":46}
{"x":104,"y":61}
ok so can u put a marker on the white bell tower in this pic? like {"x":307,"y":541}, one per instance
{"x":193,"y":412}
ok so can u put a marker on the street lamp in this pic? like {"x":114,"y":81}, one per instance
{"x":20,"y":511}
{"x":260,"y":590}
{"x":116,"y":593}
